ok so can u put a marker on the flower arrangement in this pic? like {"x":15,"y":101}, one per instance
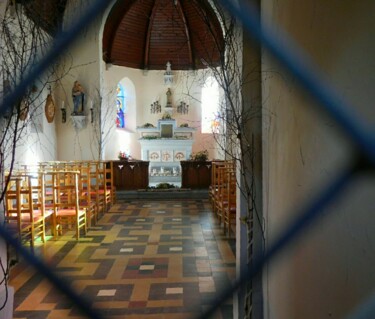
{"x":150,"y":137}
{"x":166,"y":116}
{"x":162,"y":186}
{"x":199,"y":156}
{"x":165,"y":186}
{"x":146,"y":125}
{"x":122,"y":156}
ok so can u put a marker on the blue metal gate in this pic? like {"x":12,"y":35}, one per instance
{"x":298,"y":66}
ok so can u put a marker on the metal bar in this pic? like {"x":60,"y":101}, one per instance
{"x":299,"y":65}
{"x":59,"y":282}
{"x":296,"y":63}
{"x":293,"y":230}
{"x":365,"y":310}
{"x":62,"y":41}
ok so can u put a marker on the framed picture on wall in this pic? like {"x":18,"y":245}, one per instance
{"x":50,"y":109}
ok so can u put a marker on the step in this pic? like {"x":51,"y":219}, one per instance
{"x":163,"y":194}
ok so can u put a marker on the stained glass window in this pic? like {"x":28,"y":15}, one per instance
{"x":121,"y":106}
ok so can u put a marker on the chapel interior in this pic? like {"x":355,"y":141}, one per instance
{"x":173,"y":150}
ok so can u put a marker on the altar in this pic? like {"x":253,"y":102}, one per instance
{"x":164,"y":146}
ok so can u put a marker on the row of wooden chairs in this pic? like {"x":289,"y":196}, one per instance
{"x":222,"y":193}
{"x":62,"y":193}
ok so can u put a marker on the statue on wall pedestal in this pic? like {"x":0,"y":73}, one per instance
{"x":78,"y":98}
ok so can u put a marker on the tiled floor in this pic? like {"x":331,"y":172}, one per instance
{"x":144,"y":259}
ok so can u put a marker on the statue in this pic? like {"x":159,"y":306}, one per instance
{"x":78,"y":98}
{"x":169,"y":98}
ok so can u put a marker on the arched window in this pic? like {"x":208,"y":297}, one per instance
{"x":121,"y":106}
{"x":210,"y":106}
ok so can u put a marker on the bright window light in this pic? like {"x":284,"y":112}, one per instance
{"x":210,"y":106}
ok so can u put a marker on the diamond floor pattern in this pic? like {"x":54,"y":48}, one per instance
{"x":143,"y":259}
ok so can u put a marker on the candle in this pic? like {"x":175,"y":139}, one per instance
{"x":91,"y":104}
{"x":63,"y":105}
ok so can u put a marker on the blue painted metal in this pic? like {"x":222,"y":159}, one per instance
{"x":62,"y":41}
{"x":298,"y":64}
{"x":290,"y":234}
{"x":303,"y":69}
{"x":59,"y":282}
{"x":364,"y":311}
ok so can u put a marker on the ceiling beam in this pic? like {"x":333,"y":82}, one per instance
{"x":177,"y":4}
{"x":148,"y":37}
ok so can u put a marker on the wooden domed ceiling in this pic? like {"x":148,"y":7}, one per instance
{"x":146,"y":34}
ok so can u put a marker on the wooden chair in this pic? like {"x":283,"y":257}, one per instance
{"x":98,"y":186}
{"x":48,"y":190}
{"x":104,"y":184}
{"x":229,"y":211}
{"x":67,"y":210}
{"x":213,"y":188}
{"x":221,"y":194}
{"x":85,"y":189}
{"x":24,"y":207}
{"x":109,"y":184}
{"x":221,"y":198}
{"x":86,"y":186}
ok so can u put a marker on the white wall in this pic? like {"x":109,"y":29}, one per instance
{"x":35,"y":137}
{"x":38,"y":142}
{"x":328,"y":272}
{"x":82,"y":63}
{"x":148,"y":88}
{"x":99,"y":79}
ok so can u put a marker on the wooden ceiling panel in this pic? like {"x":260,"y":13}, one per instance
{"x":146,"y":34}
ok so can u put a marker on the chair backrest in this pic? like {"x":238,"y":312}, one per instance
{"x":222,"y":181}
{"x":215,"y":177}
{"x":109,"y":174}
{"x":38,"y":192}
{"x":97,"y":178}
{"x":232,"y":184}
{"x":84,"y":181}
{"x":109,"y":187}
{"x":13,"y":200}
{"x":25,"y":197}
{"x":101,"y":172}
{"x":65,"y":189}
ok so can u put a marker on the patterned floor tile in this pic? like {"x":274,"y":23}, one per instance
{"x":143,"y":259}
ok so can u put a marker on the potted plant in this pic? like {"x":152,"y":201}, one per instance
{"x":201,"y":156}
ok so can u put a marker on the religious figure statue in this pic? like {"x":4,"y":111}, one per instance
{"x":169,"y":98}
{"x":78,"y":98}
